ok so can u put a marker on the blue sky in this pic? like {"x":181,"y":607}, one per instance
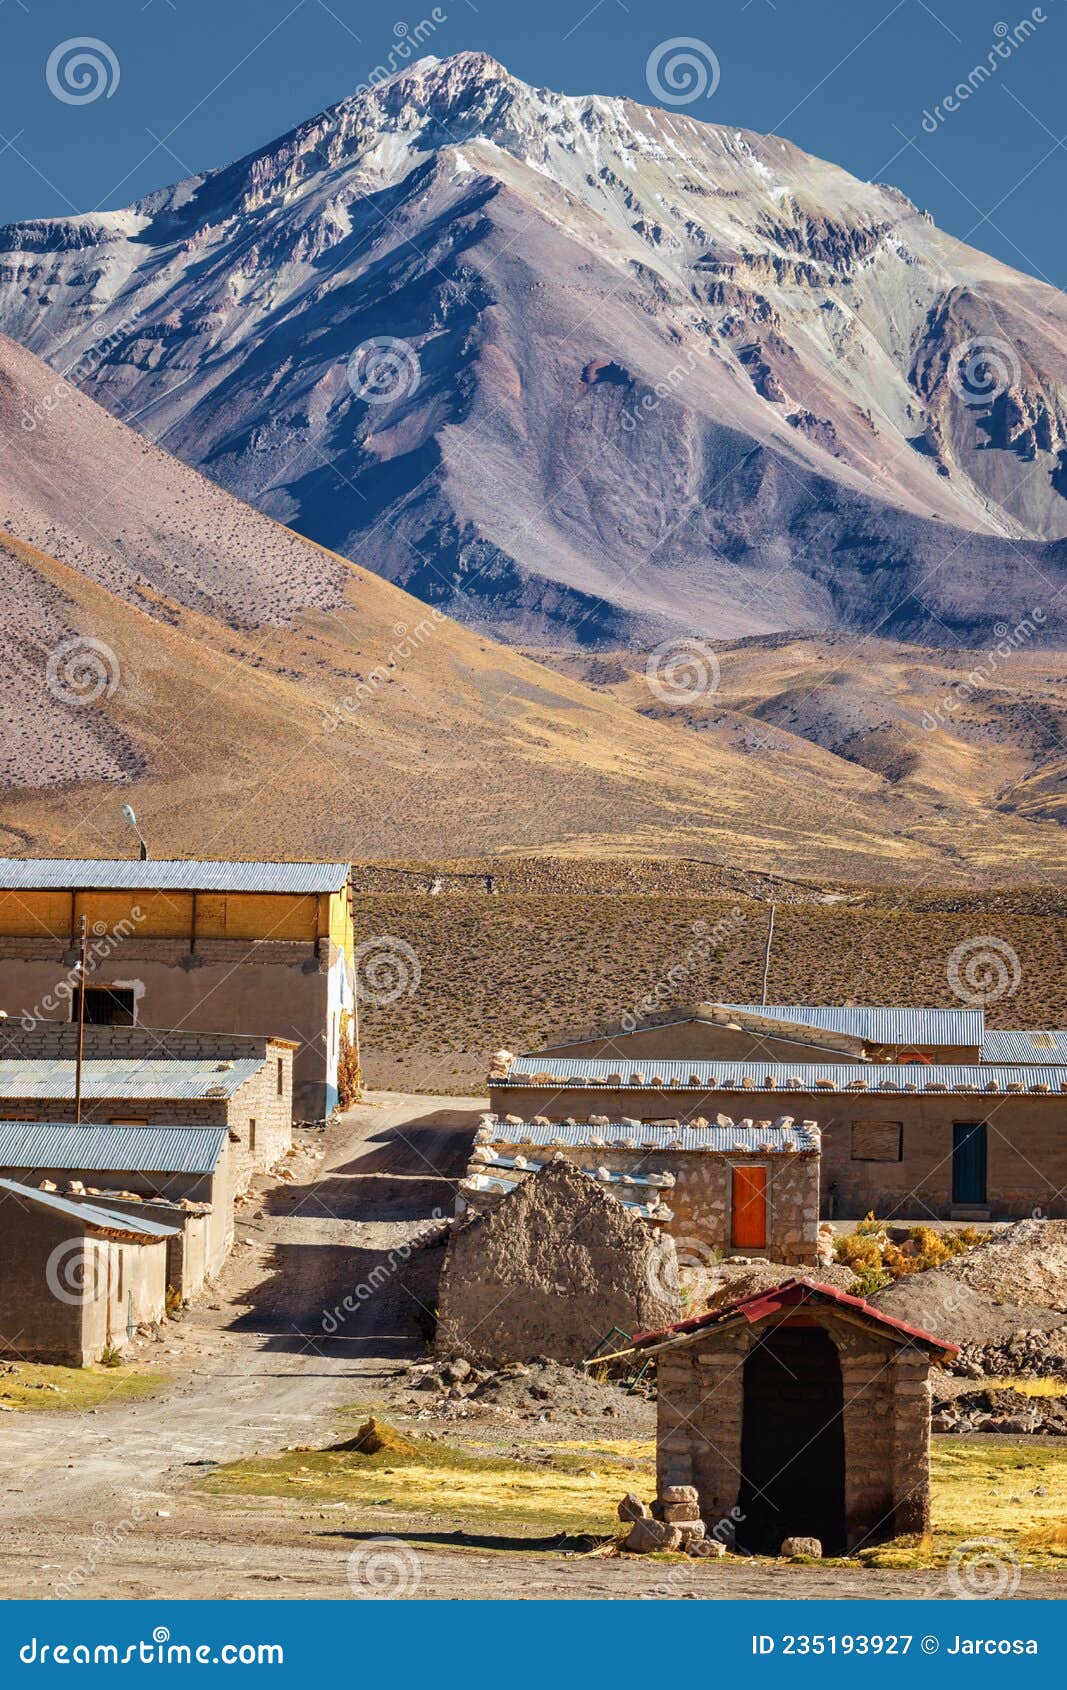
{"x":201,"y":81}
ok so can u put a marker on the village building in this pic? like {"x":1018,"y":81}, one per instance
{"x":250,"y":1095}
{"x":796,"y":1413}
{"x":75,"y":1279}
{"x":231,"y":947}
{"x":179,"y":1176}
{"x":555,"y":1269}
{"x":724,"y":1187}
{"x":907,"y":1130}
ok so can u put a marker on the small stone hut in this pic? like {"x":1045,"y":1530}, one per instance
{"x":731,"y":1186}
{"x":797,"y":1412}
{"x":551,"y":1271}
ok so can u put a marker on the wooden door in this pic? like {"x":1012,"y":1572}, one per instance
{"x":969,"y":1162}
{"x":748,"y":1209}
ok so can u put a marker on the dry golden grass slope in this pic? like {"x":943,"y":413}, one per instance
{"x":162,"y":642}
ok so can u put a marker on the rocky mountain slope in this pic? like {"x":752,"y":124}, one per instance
{"x":581,"y":371}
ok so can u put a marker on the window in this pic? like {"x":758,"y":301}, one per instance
{"x":281,"y":1076}
{"x":877,"y":1141}
{"x":105,"y":1006}
{"x":252,"y":1132}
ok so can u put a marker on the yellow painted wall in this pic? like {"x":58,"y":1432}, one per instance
{"x":169,"y":915}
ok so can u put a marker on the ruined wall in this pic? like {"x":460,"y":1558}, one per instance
{"x":550,"y":1271}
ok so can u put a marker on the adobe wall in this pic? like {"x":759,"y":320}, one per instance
{"x":549,"y":1272}
{"x":1027,"y":1139}
{"x":886,"y":1416}
{"x":268,"y":988}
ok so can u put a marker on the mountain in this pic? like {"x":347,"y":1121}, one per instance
{"x":164,"y":644}
{"x":583,"y":372}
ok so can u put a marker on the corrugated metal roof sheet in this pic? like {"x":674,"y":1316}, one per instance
{"x":87,"y":1213}
{"x":890,"y":1026}
{"x":1020,"y":1047}
{"x":31,"y":874}
{"x":124,"y":1077}
{"x":614,"y":1136}
{"x":702,"y":1075}
{"x":100,"y":1149}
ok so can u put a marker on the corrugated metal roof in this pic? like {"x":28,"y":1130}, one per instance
{"x":889,"y":1026}
{"x":87,"y":1213}
{"x":158,"y":1150}
{"x":124,"y":1077}
{"x":32,"y":874}
{"x":616,"y":1134}
{"x":1020,"y":1047}
{"x":702,"y":1075}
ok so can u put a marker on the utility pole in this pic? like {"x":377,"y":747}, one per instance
{"x":767,"y":956}
{"x":81,"y":1026}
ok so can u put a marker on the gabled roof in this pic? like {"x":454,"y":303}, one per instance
{"x":874,"y":1024}
{"x":88,"y":1215}
{"x":129,"y":1077}
{"x":99,"y":1148}
{"x":791,"y":1293}
{"x":34,"y":874}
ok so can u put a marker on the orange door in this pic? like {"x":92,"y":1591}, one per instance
{"x":749,"y":1208}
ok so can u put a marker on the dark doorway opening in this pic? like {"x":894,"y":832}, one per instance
{"x":792,"y":1443}
{"x":105,"y":1006}
{"x":969,"y":1162}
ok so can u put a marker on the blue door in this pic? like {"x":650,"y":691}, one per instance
{"x":968,"y":1162}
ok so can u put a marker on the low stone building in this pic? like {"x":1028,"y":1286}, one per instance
{"x":248,"y":1090}
{"x":728,"y":1186}
{"x":179,"y":1176}
{"x":953,"y":1141}
{"x":551,"y":1272}
{"x":75,"y":1279}
{"x":798,"y":1412}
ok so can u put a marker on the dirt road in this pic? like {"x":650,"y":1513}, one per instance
{"x":103,"y":1504}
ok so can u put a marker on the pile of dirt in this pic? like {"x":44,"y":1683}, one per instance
{"x":1024,"y":1264}
{"x":1003,"y":1411}
{"x":739,"y":1276}
{"x":535,"y":1390}
{"x":377,"y":1437}
{"x":1015,"y":1283}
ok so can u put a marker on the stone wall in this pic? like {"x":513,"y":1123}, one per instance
{"x":701,"y":1196}
{"x":550,"y":1271}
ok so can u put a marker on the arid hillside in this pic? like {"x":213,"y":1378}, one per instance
{"x":560,"y":947}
